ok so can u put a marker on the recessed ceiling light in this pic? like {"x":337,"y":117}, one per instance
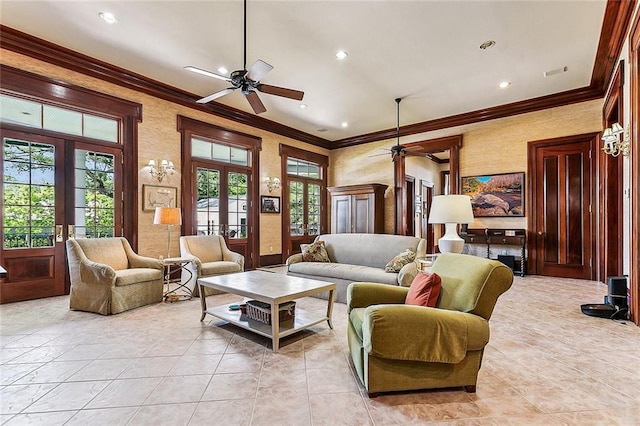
{"x":108,"y":17}
{"x":345,"y":124}
{"x":487,"y":44}
{"x":341,"y":54}
{"x":223,"y":70}
{"x":504,"y":84}
{"x":303,"y":106}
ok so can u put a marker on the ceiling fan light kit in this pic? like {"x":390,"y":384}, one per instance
{"x":248,"y":81}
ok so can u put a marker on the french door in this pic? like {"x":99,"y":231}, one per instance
{"x":304,"y":213}
{"x":53,"y":189}
{"x":223,"y":205}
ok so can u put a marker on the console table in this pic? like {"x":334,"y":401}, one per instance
{"x":492,"y":237}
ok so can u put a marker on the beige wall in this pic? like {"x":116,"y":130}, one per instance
{"x":496,"y":146}
{"x":159,"y":139}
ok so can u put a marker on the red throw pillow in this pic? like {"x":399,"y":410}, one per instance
{"x":424,"y":290}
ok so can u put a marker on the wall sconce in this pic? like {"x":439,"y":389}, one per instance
{"x":166,"y":168}
{"x":613,"y":145}
{"x":272,"y":183}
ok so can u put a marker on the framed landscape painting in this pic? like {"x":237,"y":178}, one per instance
{"x":499,"y":195}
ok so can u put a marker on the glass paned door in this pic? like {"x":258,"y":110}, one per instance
{"x":33,"y":217}
{"x":304,"y":212}
{"x":95,"y":211}
{"x":222,"y":206}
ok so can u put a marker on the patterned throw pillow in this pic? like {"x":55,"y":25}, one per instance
{"x":400,"y":260}
{"x":315,"y":252}
{"x":424,"y":290}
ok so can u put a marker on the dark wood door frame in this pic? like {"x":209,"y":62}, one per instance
{"x":534,"y":251}
{"x":189,"y":128}
{"x":453,"y":144}
{"x":610,"y":191}
{"x":634,"y":258}
{"x":287,"y":152}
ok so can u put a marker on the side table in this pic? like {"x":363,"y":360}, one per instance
{"x":425,"y":263}
{"x":177,"y":288}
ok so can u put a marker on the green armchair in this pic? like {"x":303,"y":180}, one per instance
{"x":398,"y":347}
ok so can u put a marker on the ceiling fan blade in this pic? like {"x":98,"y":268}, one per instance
{"x":255,"y":102}
{"x":258,"y":70}
{"x":207,"y":73}
{"x":216,"y":95}
{"x":281,"y":91}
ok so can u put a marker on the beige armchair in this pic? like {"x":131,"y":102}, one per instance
{"x":211,"y":256}
{"x":398,"y":347}
{"x":107,"y":277}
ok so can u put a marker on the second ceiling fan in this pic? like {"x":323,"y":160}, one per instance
{"x":248,"y":81}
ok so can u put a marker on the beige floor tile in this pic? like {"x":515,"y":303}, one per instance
{"x":149,"y":367}
{"x":274,"y":410}
{"x":103,"y":417}
{"x":101,"y":369}
{"x":68,"y":396}
{"x":235,"y":412}
{"x":339,"y":409}
{"x":330,"y":380}
{"x":171,"y":414}
{"x":41,"y":419}
{"x":231,"y":386}
{"x":125,"y":393}
{"x":15,"y":398}
{"x":179,"y":389}
{"x":546,"y":364}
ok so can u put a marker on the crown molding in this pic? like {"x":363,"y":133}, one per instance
{"x":54,"y":54}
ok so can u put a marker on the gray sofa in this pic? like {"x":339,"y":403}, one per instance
{"x":359,"y":258}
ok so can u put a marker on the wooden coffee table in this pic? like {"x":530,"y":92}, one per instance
{"x":271,"y":288}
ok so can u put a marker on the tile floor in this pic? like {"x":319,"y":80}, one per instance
{"x":546,"y":364}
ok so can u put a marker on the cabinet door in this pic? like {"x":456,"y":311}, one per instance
{"x":340,"y":214}
{"x":363,"y":213}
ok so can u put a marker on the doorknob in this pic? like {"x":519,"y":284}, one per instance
{"x":540,"y":233}
{"x":58,"y":233}
{"x":71,"y":231}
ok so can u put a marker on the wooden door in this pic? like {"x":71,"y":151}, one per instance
{"x":410,"y":184}
{"x":223,"y":207}
{"x":561,"y":175}
{"x":341,"y":214}
{"x":426,"y":227}
{"x":33,"y":220}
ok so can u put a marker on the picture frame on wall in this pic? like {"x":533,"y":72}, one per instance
{"x":158,"y":196}
{"x":269,"y":204}
{"x":499,"y":195}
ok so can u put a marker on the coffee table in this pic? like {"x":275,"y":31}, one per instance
{"x":271,"y":288}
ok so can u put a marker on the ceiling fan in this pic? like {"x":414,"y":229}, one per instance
{"x":397,"y":149}
{"x":248,"y":81}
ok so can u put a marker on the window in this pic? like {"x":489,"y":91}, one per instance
{"x":63,"y":120}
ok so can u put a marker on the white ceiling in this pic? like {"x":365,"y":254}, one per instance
{"x":426,"y":52}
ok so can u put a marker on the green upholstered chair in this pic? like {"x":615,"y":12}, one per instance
{"x":211,"y":256}
{"x":107,"y":277}
{"x":398,"y":347}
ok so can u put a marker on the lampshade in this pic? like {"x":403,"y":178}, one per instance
{"x":167,"y":216}
{"x":451,"y":209}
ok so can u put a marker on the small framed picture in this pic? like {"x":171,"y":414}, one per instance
{"x":158,"y":196}
{"x":269,"y":204}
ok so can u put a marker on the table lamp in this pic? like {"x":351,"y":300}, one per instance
{"x":451,"y":210}
{"x":169,"y":216}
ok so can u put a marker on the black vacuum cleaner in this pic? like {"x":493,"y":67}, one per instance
{"x":616,"y":304}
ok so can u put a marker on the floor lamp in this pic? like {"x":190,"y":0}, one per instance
{"x":451,"y":210}
{"x":169,"y":216}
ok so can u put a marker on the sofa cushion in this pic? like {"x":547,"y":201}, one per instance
{"x":314,"y":252}
{"x":205,"y":247}
{"x":424,"y":290}
{"x":108,"y":251}
{"x":373,"y":250}
{"x":398,"y":261}
{"x":219,"y":268}
{"x":352,"y":273}
{"x":137,"y":275}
